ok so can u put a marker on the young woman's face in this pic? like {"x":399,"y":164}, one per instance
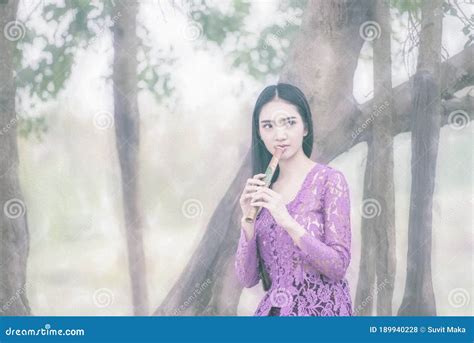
{"x":280,"y":124}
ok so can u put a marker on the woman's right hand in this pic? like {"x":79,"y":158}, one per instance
{"x":252,"y":185}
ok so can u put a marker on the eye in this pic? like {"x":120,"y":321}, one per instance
{"x":267,"y":125}
{"x":291,"y":121}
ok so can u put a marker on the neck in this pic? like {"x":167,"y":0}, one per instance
{"x":292,"y":167}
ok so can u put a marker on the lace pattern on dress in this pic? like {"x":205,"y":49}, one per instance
{"x":307,"y":280}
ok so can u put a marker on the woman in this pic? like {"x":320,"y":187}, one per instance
{"x":299,"y":244}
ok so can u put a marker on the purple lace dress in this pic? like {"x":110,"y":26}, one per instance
{"x":307,"y":280}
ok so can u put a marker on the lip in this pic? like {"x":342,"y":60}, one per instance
{"x":283,"y":146}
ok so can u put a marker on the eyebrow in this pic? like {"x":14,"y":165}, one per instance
{"x":269,"y":121}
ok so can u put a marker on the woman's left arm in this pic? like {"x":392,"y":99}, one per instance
{"x":331,"y":257}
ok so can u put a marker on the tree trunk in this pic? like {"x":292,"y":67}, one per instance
{"x":322,"y":64}
{"x":456,"y":73}
{"x":419,"y":297}
{"x":377,"y":262}
{"x":127,"y":140}
{"x":212,"y":262}
{"x":383,"y":182}
{"x":14,"y":240}
{"x":364,"y":298}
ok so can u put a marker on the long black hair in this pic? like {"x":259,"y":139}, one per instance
{"x":261,"y":156}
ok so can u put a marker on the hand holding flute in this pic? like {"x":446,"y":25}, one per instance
{"x":252,"y":186}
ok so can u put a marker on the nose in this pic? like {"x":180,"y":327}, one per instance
{"x":280,"y":134}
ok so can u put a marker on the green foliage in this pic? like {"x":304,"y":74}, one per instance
{"x":260,"y":55}
{"x":452,"y":8}
{"x":63,"y":28}
{"x":151,"y":78}
{"x":47,"y":76}
{"x":407,"y":6}
{"x":217,"y":25}
{"x":154,"y":68}
{"x":32,"y":126}
{"x":75,"y":25}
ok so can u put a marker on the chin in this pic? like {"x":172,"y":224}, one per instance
{"x":287,"y":155}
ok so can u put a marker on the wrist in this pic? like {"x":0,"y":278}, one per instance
{"x":244,"y":224}
{"x":292,"y":226}
{"x":289,"y":223}
{"x":248,"y":229}
{"x":295,"y":230}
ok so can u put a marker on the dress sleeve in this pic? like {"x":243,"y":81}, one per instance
{"x":246,"y":262}
{"x":332,"y":256}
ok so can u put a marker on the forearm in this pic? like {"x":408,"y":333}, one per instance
{"x":246,"y":262}
{"x":295,"y":230}
{"x":326,"y":259}
{"x":249,"y":229}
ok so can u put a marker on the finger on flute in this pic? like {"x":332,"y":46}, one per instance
{"x":269,"y":172}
